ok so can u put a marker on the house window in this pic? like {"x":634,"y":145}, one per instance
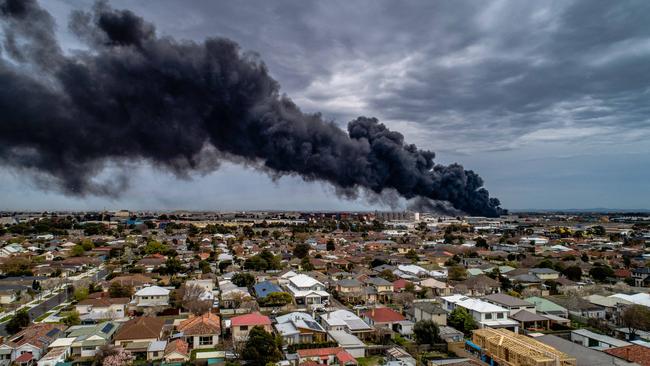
{"x":243,"y":327}
{"x":500,"y":316}
{"x":205,"y":341}
{"x":488,"y":316}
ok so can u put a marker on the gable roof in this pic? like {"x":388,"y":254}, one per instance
{"x":141,"y":328}
{"x":250,"y":319}
{"x":506,"y":300}
{"x":39,"y":335}
{"x":201,"y":325}
{"x":384,"y":315}
{"x":177,"y":346}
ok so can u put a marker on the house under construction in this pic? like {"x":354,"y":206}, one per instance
{"x":505,"y":348}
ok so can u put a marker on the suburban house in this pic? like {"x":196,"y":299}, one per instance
{"x":350,"y":290}
{"x":201,"y":331}
{"x":383,"y":288}
{"x":640,"y":276}
{"x":437,"y":288}
{"x":87,"y":339}
{"x":156,"y":350}
{"x":102,"y":308}
{"x":547,"y":307}
{"x":382,"y":317}
{"x":176,"y":351}
{"x":307,"y":291}
{"x":427,"y":310}
{"x":265,"y":288}
{"x":326,"y":356}
{"x":151,"y":296}
{"x":486,"y":315}
{"x":136,"y":334}
{"x":299,"y":327}
{"x":345,"y":320}
{"x":544,"y":273}
{"x":31,"y":343}
{"x":511,"y":303}
{"x":242,"y":324}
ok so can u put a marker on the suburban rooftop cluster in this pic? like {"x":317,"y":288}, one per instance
{"x":335,"y":288}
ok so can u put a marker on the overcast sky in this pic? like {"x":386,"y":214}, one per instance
{"x":546,"y":100}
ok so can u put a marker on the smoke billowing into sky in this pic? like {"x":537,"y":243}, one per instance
{"x":186,"y":107}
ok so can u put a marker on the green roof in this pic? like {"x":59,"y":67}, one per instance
{"x":545,"y":305}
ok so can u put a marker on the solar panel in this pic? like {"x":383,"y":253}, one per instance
{"x":107,"y":328}
{"x":53,"y":332}
{"x":312,"y":325}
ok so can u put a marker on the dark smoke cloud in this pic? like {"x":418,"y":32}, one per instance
{"x":185,"y":106}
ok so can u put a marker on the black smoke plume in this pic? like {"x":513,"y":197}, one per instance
{"x":185,"y":106}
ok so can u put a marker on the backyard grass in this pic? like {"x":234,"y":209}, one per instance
{"x":6,"y":318}
{"x":370,"y":361}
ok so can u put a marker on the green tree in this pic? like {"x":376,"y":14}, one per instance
{"x":81,"y":294}
{"x":481,"y":243}
{"x":18,"y":322}
{"x":243,"y":279}
{"x":78,"y":251}
{"x":71,"y":318}
{"x":330,"y":245}
{"x":306,"y":265}
{"x":155,"y":247}
{"x":457,"y":273}
{"x":426,"y":332}
{"x":205,"y":267}
{"x":600,"y":273}
{"x":412,"y":255}
{"x":574,"y":273}
{"x":116,"y":290}
{"x":301,"y":250}
{"x":87,"y":244}
{"x":173,"y":265}
{"x":261,"y":348}
{"x":462,"y":320}
{"x":276,"y":299}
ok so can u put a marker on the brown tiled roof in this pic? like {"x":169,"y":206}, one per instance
{"x":36,"y":335}
{"x":632,"y":353}
{"x":201,"y":325}
{"x":177,"y":345}
{"x":140,"y":328}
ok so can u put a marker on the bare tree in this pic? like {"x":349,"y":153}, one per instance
{"x":192,"y":298}
{"x":636,"y":317}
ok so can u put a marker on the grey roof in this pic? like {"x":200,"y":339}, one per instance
{"x":429,"y":307}
{"x":543,"y":270}
{"x":526,"y":278}
{"x":584,"y":356}
{"x":506,"y":300}
{"x":349,"y":283}
{"x":378,"y":281}
{"x":527,"y":316}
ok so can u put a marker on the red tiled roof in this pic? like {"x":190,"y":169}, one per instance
{"x":250,"y":319}
{"x":384,"y":315}
{"x":344,"y":357}
{"x":319,"y":352}
{"x":400,"y":284}
{"x":201,"y":325}
{"x":177,"y":345}
{"x":25,"y":357}
{"x":633,"y":353}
